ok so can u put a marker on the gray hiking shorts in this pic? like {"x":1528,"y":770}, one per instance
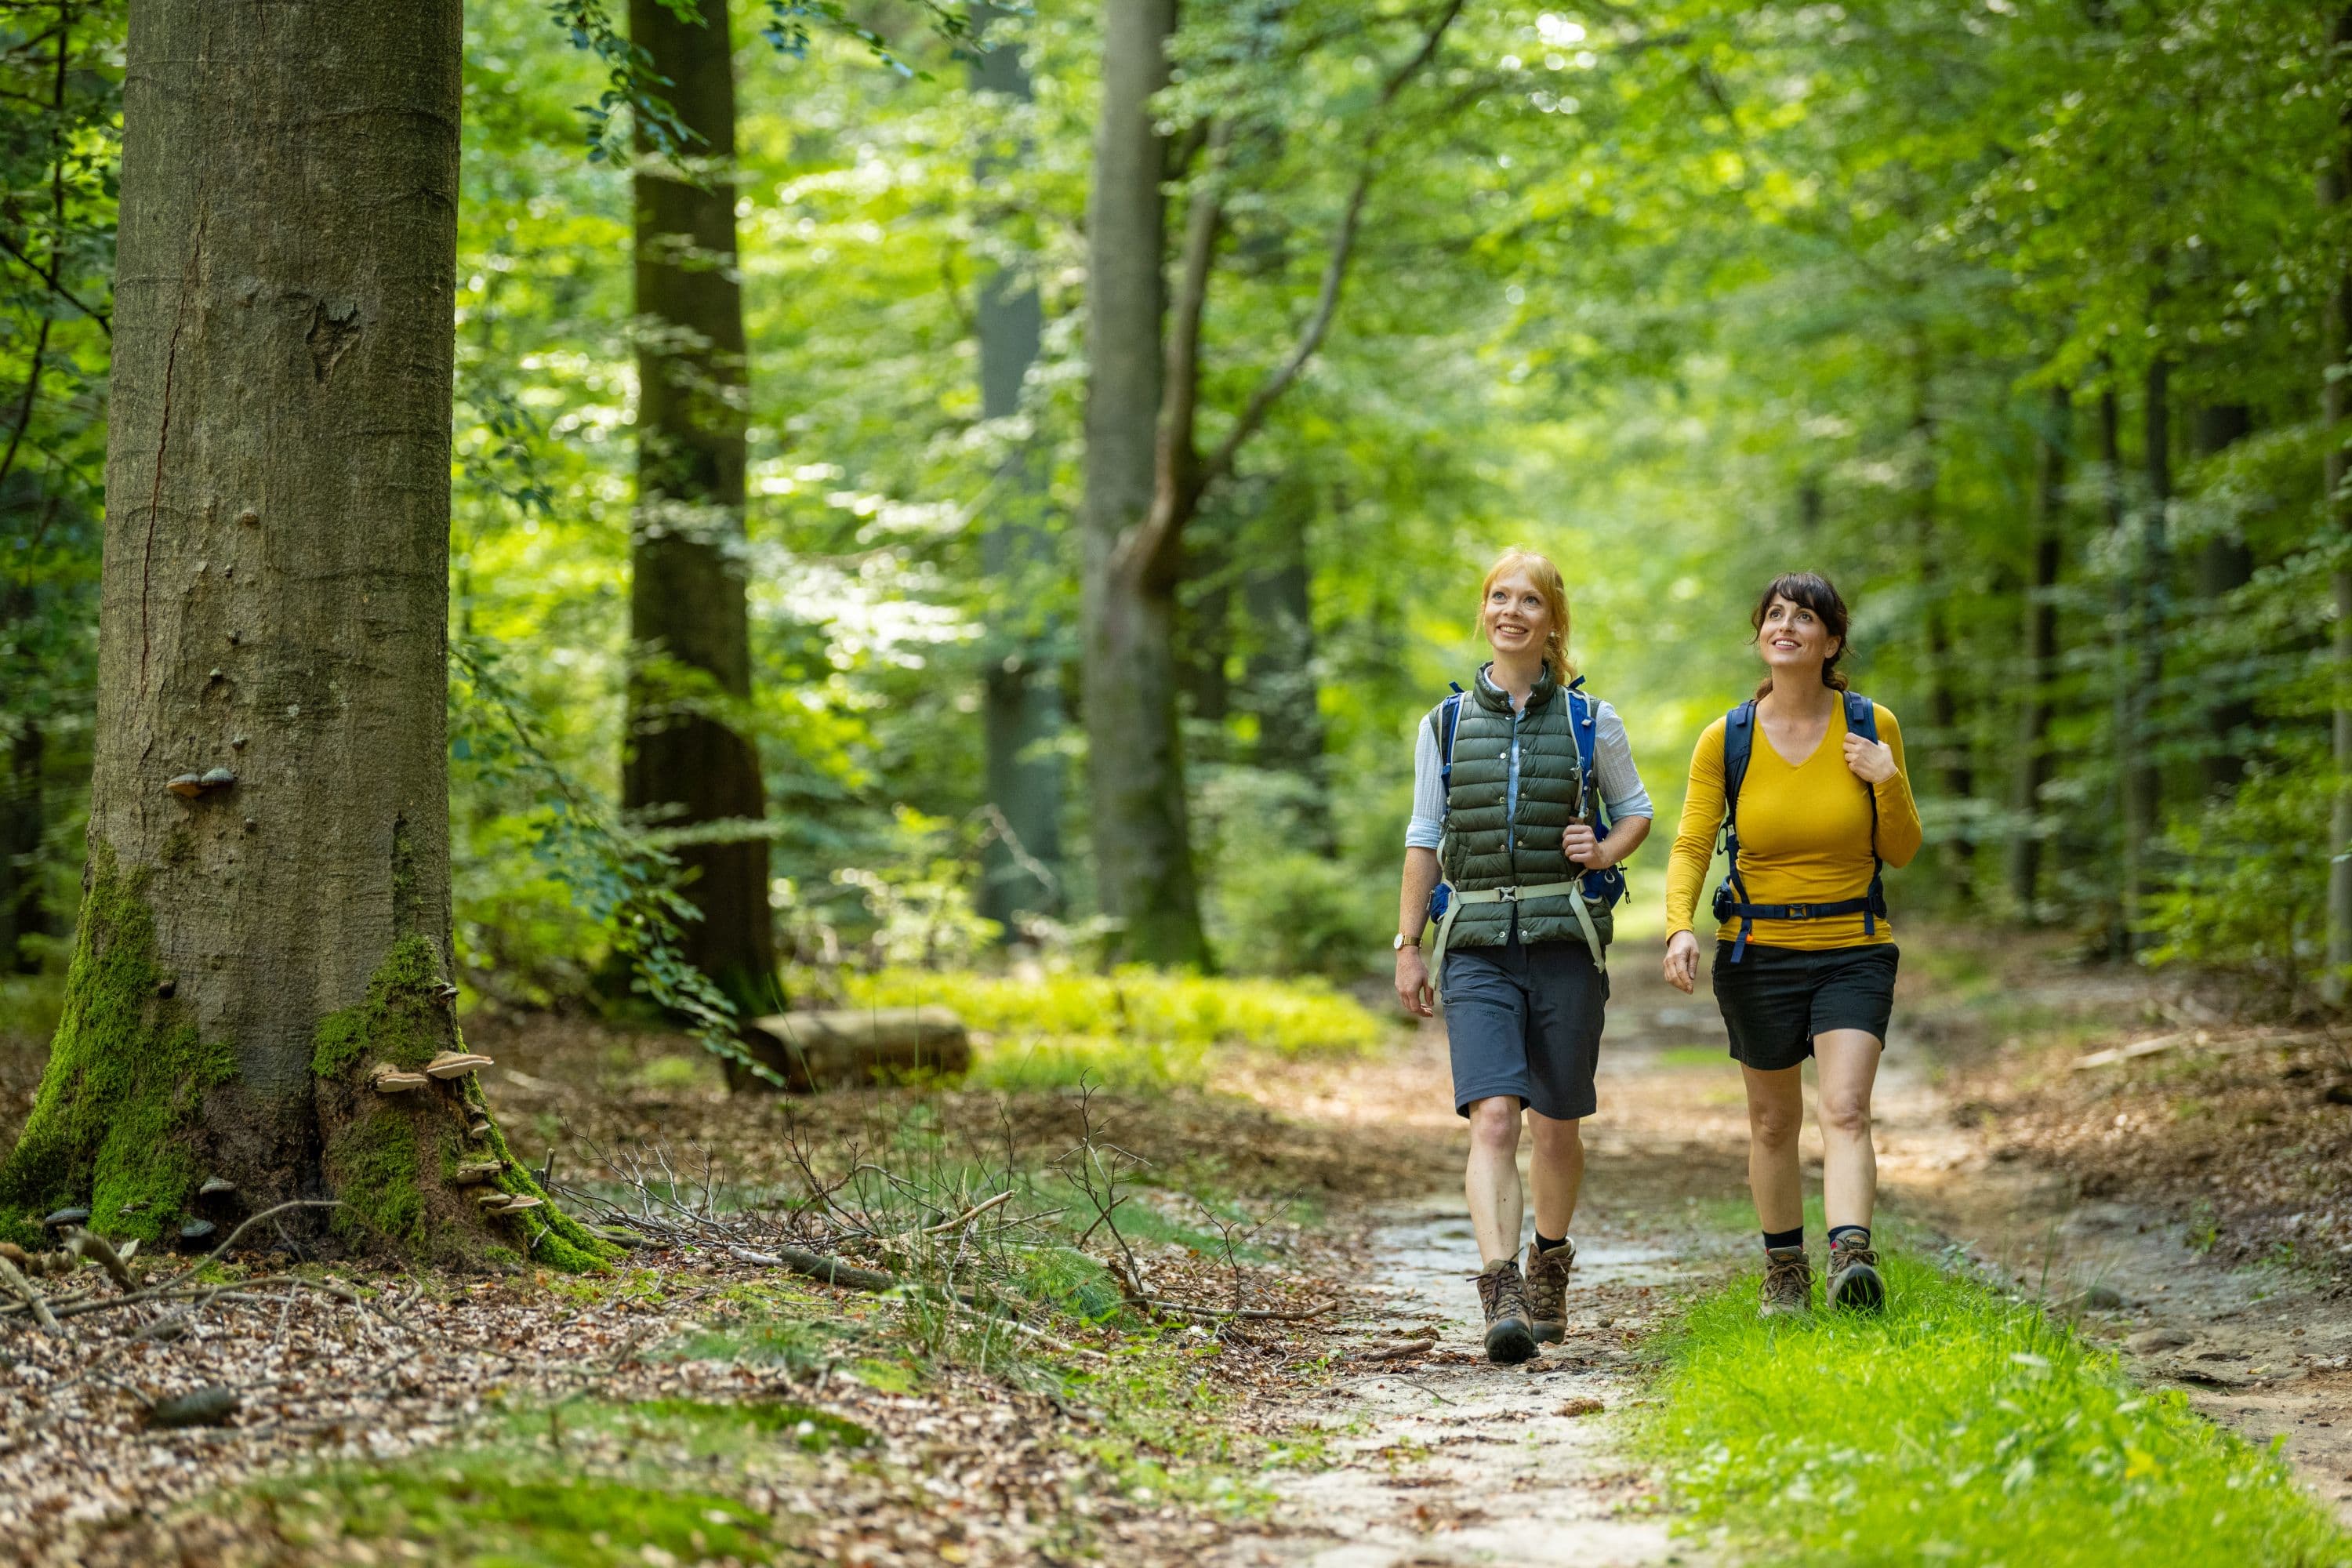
{"x":1525,"y":1020}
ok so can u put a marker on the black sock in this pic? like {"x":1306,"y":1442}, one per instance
{"x":1785,"y":1237}
{"x":1860,"y":1233}
{"x":1546,"y":1244}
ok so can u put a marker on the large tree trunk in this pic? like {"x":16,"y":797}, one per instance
{"x":2040,"y":655}
{"x":1020,"y":868}
{"x":2335,"y":412}
{"x":1142,"y":835}
{"x":274,"y":607}
{"x":688,"y":763}
{"x":2225,"y":563}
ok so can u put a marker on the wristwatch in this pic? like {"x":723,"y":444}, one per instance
{"x":1402,"y":943}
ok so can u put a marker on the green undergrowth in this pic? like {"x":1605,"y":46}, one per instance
{"x":581,"y":1484}
{"x":125,"y":1083}
{"x":1961,"y":1427}
{"x":1134,"y":1029}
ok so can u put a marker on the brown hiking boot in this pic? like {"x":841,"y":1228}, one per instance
{"x":1787,"y":1290}
{"x":1509,"y":1336}
{"x":1547,"y":1277}
{"x":1853,"y":1275}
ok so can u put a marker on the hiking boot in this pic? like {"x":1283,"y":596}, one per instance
{"x":1509,"y":1336}
{"x":1787,"y":1290}
{"x":1853,"y":1275}
{"x":1547,"y":1287}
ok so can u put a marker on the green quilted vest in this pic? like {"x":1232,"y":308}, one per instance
{"x":1486,"y":845}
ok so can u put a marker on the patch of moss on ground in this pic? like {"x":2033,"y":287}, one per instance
{"x":125,"y":1082}
{"x":581,"y":1482}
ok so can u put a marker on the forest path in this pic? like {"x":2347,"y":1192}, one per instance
{"x":1447,"y":1458}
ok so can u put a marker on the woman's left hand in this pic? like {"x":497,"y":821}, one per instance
{"x":1872,"y":762}
{"x":1580,"y":844}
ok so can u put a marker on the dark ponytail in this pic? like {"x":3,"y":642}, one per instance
{"x":1817,"y":593}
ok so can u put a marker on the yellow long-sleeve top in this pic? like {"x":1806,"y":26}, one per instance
{"x":1804,"y":835}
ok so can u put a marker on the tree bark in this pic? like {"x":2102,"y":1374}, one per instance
{"x":1141,"y":836}
{"x":2125,"y":722}
{"x":1951,"y":749}
{"x":1279,"y":674}
{"x":1021,"y":867}
{"x":22,"y":829}
{"x":2148,"y":571}
{"x":688,"y":763}
{"x":2336,"y":412}
{"x":2040,"y":654}
{"x":274,"y":606}
{"x":2225,"y":562}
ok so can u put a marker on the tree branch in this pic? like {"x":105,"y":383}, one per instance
{"x":1182,"y":479}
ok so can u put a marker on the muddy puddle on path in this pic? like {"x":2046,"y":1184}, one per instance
{"x":1445,"y":1458}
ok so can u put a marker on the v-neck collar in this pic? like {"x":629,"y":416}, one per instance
{"x":1837,"y":717}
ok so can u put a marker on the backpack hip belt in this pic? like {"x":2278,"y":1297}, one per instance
{"x":1573,"y":890}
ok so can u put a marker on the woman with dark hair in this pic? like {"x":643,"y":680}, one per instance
{"x":1806,"y":780}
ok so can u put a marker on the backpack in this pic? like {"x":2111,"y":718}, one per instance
{"x":1731,"y":895}
{"x":1604,"y":888}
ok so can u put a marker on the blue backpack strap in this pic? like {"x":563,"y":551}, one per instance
{"x":1604,"y":888}
{"x":1861,"y":719}
{"x":1449,"y":720}
{"x":1738,"y":745}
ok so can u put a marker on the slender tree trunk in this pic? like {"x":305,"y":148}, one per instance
{"x":2040,"y":654}
{"x":22,"y":829}
{"x":2126,"y":722}
{"x":1020,"y":868}
{"x":1140,"y":828}
{"x":272,"y":631}
{"x":687,"y":760}
{"x":1280,"y":674}
{"x":1207,"y":647}
{"x":2335,"y":405}
{"x":2224,"y":564}
{"x":1951,"y":748}
{"x":2149,"y":572}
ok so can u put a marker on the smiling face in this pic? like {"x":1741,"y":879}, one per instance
{"x":1792,"y":639}
{"x":1517,"y":617}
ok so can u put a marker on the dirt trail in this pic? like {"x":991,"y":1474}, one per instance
{"x":1447,"y":1458}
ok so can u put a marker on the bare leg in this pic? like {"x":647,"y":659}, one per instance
{"x":1776,"y":1111}
{"x":1556,"y":1171}
{"x":1848,"y":1063}
{"x":1492,"y":1180}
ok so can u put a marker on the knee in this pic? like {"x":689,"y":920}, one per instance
{"x":1556,"y":1138}
{"x":1774,"y":1126}
{"x":1846,"y":1115}
{"x":1494,"y":1124}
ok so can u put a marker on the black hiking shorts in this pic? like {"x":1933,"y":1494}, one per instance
{"x":1525,"y":1020}
{"x":1776,"y":999}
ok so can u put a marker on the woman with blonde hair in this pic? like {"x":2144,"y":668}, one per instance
{"x":1812,"y":801}
{"x":1516,"y":784}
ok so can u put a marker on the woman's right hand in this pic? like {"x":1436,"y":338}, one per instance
{"x":1682,"y":961}
{"x":1412,"y":986}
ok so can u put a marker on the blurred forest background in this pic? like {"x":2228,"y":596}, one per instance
{"x":1102,"y":537}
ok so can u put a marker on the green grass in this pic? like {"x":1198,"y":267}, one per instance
{"x":1962,"y":1427}
{"x":579,"y":1485}
{"x":1135,"y":1029}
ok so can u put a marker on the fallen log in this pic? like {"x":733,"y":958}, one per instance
{"x":847,"y":1046}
